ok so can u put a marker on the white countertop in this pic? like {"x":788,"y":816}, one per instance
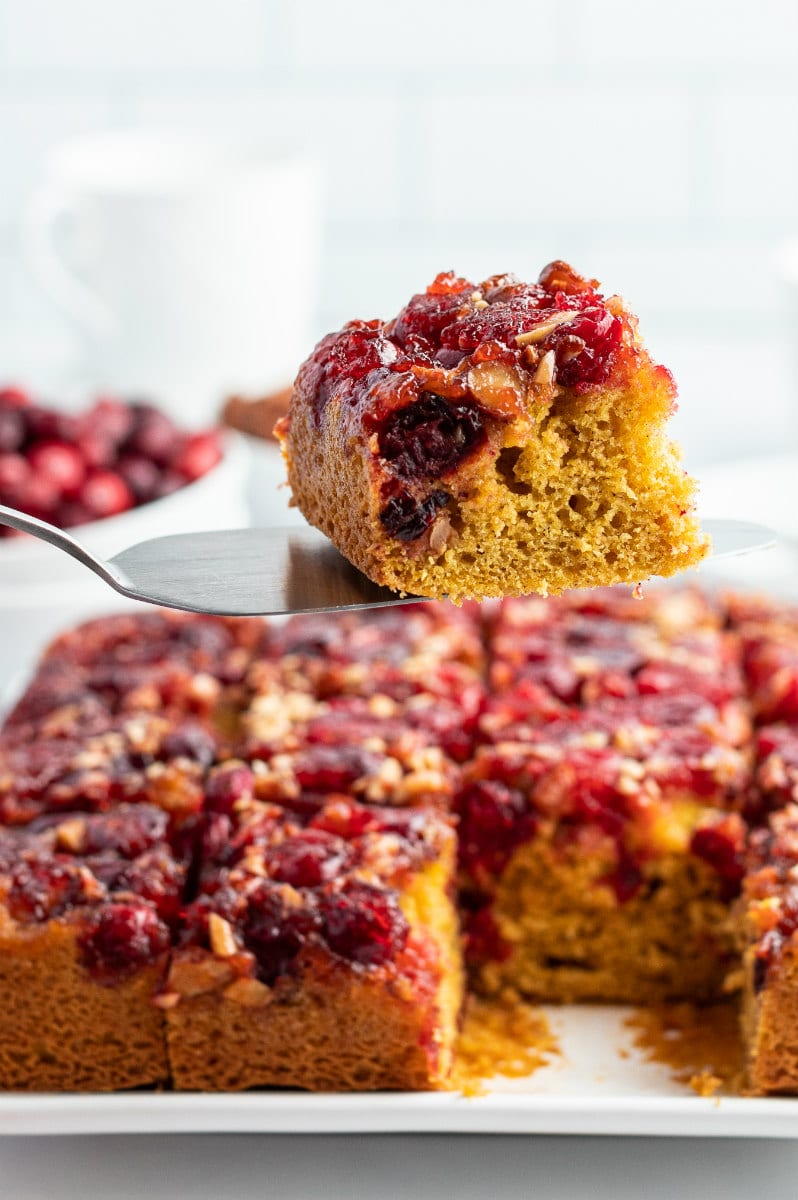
{"x":373,"y":1168}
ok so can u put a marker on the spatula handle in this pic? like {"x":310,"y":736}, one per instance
{"x":46,"y":532}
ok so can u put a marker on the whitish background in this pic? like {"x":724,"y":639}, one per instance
{"x":652,"y":144}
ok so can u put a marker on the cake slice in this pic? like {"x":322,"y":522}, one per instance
{"x":769,"y":935}
{"x":87,"y":906}
{"x":322,"y":951}
{"x":589,"y":874}
{"x":493,"y":440}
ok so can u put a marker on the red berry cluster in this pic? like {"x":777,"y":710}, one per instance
{"x":73,"y":468}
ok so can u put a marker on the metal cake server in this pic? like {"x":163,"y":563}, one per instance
{"x":249,"y":572}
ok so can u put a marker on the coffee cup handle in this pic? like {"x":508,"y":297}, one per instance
{"x":45,"y":209}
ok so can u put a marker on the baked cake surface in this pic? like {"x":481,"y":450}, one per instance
{"x":237,"y":855}
{"x":493,"y":440}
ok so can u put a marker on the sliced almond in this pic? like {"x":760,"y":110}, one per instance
{"x":545,"y":328}
{"x":498,"y":387}
{"x":544,"y":375}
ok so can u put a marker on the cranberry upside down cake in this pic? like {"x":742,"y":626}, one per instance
{"x":237,"y":855}
{"x":493,"y":440}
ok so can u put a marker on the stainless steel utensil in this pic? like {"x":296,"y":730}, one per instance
{"x":246,"y":572}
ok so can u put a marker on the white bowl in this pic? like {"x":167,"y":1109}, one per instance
{"x":43,"y":590}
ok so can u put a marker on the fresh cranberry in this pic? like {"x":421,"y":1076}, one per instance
{"x":40,"y":497}
{"x":427,"y":439}
{"x":141,"y":475}
{"x":71,"y":513}
{"x":167,"y":483}
{"x":364,"y":923}
{"x":494,"y":819}
{"x":309,"y":859}
{"x":13,"y":397}
{"x":15,"y":473}
{"x":122,"y":937}
{"x":12,"y":430}
{"x":110,"y":419}
{"x":48,"y":424}
{"x":406,"y":518}
{"x":228,"y":785}
{"x":199,"y":453}
{"x":105,"y":494}
{"x":61,"y":463}
{"x":153,"y":435}
{"x":98,"y":451}
{"x":275,"y":930}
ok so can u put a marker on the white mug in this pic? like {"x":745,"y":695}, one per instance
{"x":188,"y":264}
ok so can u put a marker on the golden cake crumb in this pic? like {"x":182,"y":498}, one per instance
{"x":699,"y":1043}
{"x":500,"y":1036}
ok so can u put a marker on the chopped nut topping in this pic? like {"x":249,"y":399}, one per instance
{"x":544,"y":375}
{"x":250,"y":993}
{"x":71,"y":835}
{"x":543,"y":330}
{"x":441,"y":534}
{"x":166,"y":1000}
{"x":222,"y":938}
{"x":498,"y":387}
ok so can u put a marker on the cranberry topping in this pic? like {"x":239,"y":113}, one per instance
{"x":363,"y":923}
{"x":42,"y":886}
{"x":484,"y":942}
{"x":128,"y":831}
{"x":333,"y":769}
{"x":276,"y":928}
{"x":722,"y":846}
{"x":584,"y":347}
{"x":119,"y":938}
{"x":428,"y":313}
{"x":190,"y":740}
{"x":309,"y":859}
{"x":228,"y":785}
{"x":494,"y":819}
{"x":626,"y":879}
{"x":429,"y":438}
{"x":406,"y":518}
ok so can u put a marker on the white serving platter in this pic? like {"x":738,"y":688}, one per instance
{"x":599,"y":1084}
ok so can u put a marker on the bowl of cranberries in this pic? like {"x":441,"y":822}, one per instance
{"x":114,"y":473}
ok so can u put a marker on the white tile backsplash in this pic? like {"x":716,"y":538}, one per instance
{"x":580,"y":153}
{"x":102,"y":36}
{"x":653,"y":144}
{"x":463,"y":34}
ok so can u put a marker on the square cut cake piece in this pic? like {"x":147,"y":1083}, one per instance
{"x":769,"y":936}
{"x":493,"y":440}
{"x":87,"y":908}
{"x":160,"y":662}
{"x":322,"y":951}
{"x":591,"y":874}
